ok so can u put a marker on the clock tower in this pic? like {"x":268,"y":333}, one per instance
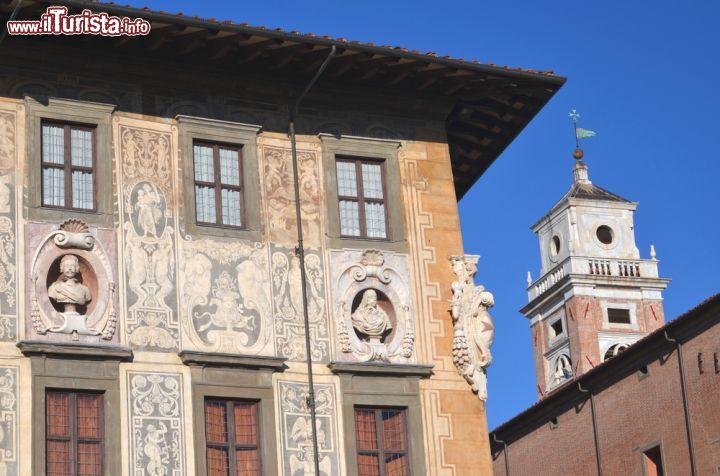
{"x":595,"y":296}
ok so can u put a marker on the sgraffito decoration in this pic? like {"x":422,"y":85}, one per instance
{"x":155,"y":409}
{"x":225,"y":300}
{"x":473,"y":329}
{"x":148,"y":193}
{"x":8,"y":296}
{"x":373,"y":306}
{"x":287,"y":305}
{"x":279,"y":194}
{"x":72,"y":285}
{"x":9,"y":420}
{"x":296,"y":429}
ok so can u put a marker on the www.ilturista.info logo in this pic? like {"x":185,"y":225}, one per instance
{"x":56,"y":21}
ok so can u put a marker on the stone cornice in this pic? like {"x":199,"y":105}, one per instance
{"x":190,"y":357}
{"x":69,"y":350}
{"x":372,"y":368}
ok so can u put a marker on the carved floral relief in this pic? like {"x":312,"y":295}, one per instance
{"x":155,"y":409}
{"x":473,"y":327}
{"x":148,"y":238}
{"x":372,"y":306}
{"x":296,"y":429}
{"x":225,"y":301}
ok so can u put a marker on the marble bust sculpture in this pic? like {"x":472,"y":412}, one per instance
{"x":370,"y":319}
{"x":67,"y":289}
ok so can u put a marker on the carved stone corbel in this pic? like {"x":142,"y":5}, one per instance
{"x":473,"y":329}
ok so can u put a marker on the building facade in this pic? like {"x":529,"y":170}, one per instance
{"x":152,"y":311}
{"x":621,"y":392}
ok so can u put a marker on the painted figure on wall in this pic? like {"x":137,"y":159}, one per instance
{"x":370,"y":319}
{"x":148,"y":207}
{"x":68,"y":290}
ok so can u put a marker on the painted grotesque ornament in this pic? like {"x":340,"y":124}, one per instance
{"x":473,"y":327}
{"x":369,"y":319}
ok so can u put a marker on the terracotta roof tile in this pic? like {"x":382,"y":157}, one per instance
{"x":300,"y":36}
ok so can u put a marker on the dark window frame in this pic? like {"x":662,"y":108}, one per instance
{"x":230,"y":404}
{"x":361,"y":199}
{"x":67,"y":165}
{"x":381,"y":452}
{"x":218,"y":186}
{"x":616,"y":315}
{"x":74,"y":437}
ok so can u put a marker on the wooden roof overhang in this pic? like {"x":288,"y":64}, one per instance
{"x":492,"y":104}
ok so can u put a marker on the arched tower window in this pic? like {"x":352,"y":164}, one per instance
{"x":614,"y":350}
{"x":563,"y":369}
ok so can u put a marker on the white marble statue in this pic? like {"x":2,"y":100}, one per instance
{"x":67,"y":289}
{"x":473,"y":327}
{"x":370,"y":319}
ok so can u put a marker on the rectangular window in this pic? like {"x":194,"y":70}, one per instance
{"x":653,"y":461}
{"x":361,"y":196}
{"x":218,"y":185}
{"x":68,"y":163}
{"x":618,"y":316}
{"x":382,"y":446}
{"x":74,"y":433}
{"x":232,"y":434}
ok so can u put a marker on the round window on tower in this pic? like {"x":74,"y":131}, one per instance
{"x":555,"y":246}
{"x":605,"y":234}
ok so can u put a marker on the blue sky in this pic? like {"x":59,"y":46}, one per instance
{"x":643,"y":75}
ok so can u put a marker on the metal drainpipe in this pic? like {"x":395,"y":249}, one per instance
{"x":688,"y":429}
{"x":505,"y":454}
{"x":595,"y":432}
{"x":300,"y":251}
{"x":12,"y":17}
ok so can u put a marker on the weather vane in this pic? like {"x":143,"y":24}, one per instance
{"x":580,"y":133}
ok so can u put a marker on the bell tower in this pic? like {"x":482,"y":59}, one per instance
{"x":595,"y":296}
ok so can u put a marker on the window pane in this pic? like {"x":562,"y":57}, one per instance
{"x":89,"y":459}
{"x":375,"y":220}
{"x":248,"y":462}
{"x":231,"y":205}
{"x":53,"y":144}
{"x":365,"y":429}
{"x":57,"y":414}
{"x":396,"y":465}
{"x":88,"y":416}
{"x":372,"y":181}
{"x":349,"y":218}
{"x":216,"y":422}
{"x":58,"y":458}
{"x":246,"y":426}
{"x":368,"y":465}
{"x":217,"y":462}
{"x":229,"y":167}
{"x":81,"y":147}
{"x":394,"y":430}
{"x":347,"y":181}
{"x":82,"y":190}
{"x":204,"y":169}
{"x":53,"y":187}
{"x":205,"y":204}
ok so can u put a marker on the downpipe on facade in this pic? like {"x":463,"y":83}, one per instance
{"x":300,"y":252}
